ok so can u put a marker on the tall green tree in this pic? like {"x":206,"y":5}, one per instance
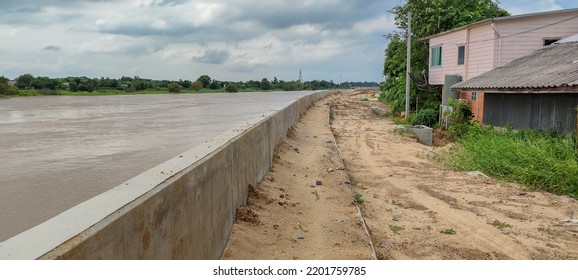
{"x":428,"y":17}
{"x":24,"y":80}
{"x":265,"y":84}
{"x":206,"y":80}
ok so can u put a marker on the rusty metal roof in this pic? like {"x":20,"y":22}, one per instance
{"x":555,"y":66}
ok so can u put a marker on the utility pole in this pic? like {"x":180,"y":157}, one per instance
{"x":407,"y":95}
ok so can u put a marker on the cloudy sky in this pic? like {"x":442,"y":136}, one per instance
{"x":339,"y":40}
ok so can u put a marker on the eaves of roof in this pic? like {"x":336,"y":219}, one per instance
{"x":491,"y":20}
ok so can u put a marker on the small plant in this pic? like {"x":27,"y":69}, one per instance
{"x":449,"y":231}
{"x":395,"y":228}
{"x":359,"y":198}
{"x":546,"y":230}
{"x":500,"y":225}
{"x":364,"y":99}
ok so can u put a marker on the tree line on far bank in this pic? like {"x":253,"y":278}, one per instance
{"x":55,"y":86}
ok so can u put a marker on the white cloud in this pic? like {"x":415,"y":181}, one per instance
{"x":8,"y":31}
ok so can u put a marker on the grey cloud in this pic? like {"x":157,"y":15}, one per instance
{"x":213,"y":57}
{"x":245,"y":67}
{"x":340,"y":14}
{"x":52,"y":48}
{"x":28,"y":10}
{"x":139,"y":30}
{"x":135,"y":49}
{"x":169,"y":2}
{"x":269,"y":16}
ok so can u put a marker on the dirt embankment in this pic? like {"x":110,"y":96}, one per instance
{"x":414,"y":207}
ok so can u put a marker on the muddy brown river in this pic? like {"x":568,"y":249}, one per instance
{"x":58,"y":151}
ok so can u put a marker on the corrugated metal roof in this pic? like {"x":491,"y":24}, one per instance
{"x":500,"y":19}
{"x":554,"y":66}
{"x":573,"y":38}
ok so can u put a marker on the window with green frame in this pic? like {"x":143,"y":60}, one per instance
{"x":436,"y":56}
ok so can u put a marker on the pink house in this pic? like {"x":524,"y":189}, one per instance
{"x":474,"y":49}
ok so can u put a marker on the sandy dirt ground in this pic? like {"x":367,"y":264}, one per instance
{"x":412,"y":207}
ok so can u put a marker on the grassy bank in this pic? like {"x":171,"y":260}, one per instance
{"x":539,"y":160}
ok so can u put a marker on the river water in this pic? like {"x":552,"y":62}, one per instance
{"x":58,"y":151}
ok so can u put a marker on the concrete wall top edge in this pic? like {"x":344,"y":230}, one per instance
{"x":35,"y":242}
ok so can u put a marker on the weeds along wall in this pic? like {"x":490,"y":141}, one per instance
{"x":181,"y":209}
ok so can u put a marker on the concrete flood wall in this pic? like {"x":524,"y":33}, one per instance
{"x":181,"y":209}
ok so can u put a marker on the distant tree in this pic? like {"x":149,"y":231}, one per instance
{"x":174,"y":87}
{"x":43,"y":83}
{"x":196,"y":86}
{"x":23,"y":81}
{"x":6,"y":88}
{"x":215,"y":84}
{"x":292,"y":86}
{"x":206,"y":80}
{"x":231,"y":87}
{"x":185,"y":83}
{"x":265,"y":84}
{"x":141,"y":85}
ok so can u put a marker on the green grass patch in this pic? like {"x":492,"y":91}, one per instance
{"x":449,"y":231}
{"x":395,"y":228}
{"x":500,"y":225}
{"x":404,"y":121}
{"x":359,"y":198}
{"x":545,"y":161}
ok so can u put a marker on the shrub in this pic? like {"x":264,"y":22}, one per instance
{"x":427,"y":117}
{"x":196,"y":86}
{"x":231,"y":88}
{"x":174,"y":87}
{"x":5,"y":88}
{"x":458,"y":118}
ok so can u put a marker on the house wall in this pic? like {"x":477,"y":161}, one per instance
{"x":490,"y":45}
{"x":476,"y":105}
{"x":449,"y":43}
{"x":521,"y":36}
{"x":481,"y":46}
{"x":539,"y":111}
